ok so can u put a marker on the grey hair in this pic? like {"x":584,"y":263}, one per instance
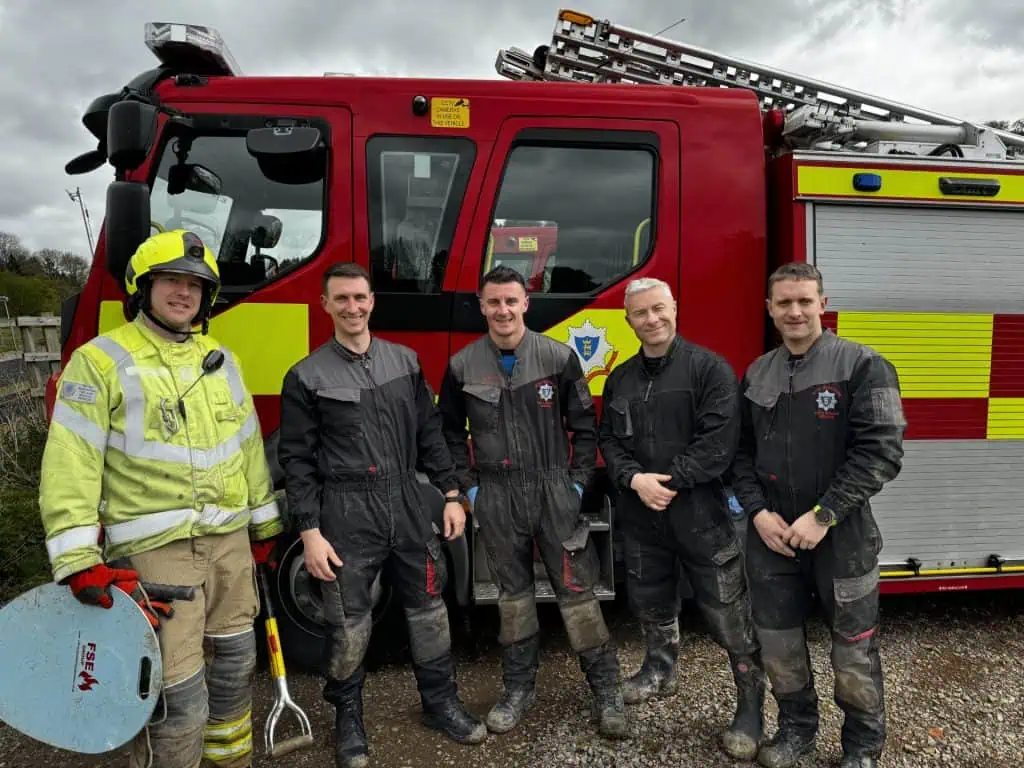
{"x":642,"y":284}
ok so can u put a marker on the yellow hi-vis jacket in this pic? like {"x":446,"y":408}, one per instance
{"x":119,"y":454}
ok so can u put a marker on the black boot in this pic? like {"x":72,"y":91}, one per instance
{"x":798,"y":728}
{"x":743,"y":738}
{"x":520,"y":676}
{"x":350,"y":750}
{"x":858,"y":761}
{"x":657,"y":675}
{"x":442,"y":709}
{"x":601,"y":666}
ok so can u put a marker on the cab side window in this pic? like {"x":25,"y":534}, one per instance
{"x":416,"y":186}
{"x":259,"y":227}
{"x":574,"y":218}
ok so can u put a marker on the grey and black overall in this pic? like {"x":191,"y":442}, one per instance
{"x":677,"y":415}
{"x":822,"y":428}
{"x":529,"y":473}
{"x":353,"y":429}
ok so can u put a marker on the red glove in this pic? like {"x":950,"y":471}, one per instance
{"x":92,"y":587}
{"x":263,"y":552}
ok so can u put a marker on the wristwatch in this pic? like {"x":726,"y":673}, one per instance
{"x":824,"y":516}
{"x":457,"y":498}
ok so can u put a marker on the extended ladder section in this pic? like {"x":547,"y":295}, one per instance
{"x":818,"y":115}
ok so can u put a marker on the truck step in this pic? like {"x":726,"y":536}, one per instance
{"x":486,"y":593}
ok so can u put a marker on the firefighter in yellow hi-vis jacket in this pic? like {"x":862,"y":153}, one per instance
{"x":154,"y":470}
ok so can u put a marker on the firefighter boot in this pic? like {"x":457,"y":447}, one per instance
{"x":520,"y":676}
{"x":657,"y":675}
{"x":798,"y":728}
{"x":601,"y":666}
{"x":743,"y":738}
{"x":350,"y":750}
{"x":858,"y":761}
{"x":442,"y":709}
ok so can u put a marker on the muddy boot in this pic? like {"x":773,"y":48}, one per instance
{"x":442,"y":709}
{"x":601,"y":667}
{"x":657,"y":675}
{"x":743,"y":738}
{"x":350,"y":750}
{"x":786,"y":748}
{"x":858,"y":761}
{"x":520,"y":675}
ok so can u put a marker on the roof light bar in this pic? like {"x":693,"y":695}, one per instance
{"x":191,"y":48}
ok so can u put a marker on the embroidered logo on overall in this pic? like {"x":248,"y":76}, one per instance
{"x":827,"y":402}
{"x":545,"y":393}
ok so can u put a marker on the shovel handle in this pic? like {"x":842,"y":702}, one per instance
{"x":167,"y":592}
{"x":292,"y":744}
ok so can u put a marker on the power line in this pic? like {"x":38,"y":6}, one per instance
{"x":76,"y":196}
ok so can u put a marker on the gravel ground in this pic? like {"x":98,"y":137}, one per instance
{"x":954,"y":669}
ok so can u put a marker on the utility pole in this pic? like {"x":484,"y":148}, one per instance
{"x":76,"y":196}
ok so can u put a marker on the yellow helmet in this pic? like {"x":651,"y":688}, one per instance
{"x":177,"y":251}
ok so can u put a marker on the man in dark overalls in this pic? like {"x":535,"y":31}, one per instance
{"x":669,"y":428}
{"x":357,"y":415}
{"x":822,"y":433}
{"x":523,"y":393}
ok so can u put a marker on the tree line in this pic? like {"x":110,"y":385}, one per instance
{"x":36,"y":282}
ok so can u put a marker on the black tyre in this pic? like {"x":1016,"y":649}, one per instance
{"x":300,"y":612}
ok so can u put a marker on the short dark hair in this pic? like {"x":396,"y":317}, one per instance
{"x":796,"y":270}
{"x":344,"y":269}
{"x":502,"y":274}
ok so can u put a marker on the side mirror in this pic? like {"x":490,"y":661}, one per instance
{"x":289,"y":154}
{"x":131,"y":128}
{"x":127,"y":225}
{"x":194,"y":177}
{"x":266,"y":231}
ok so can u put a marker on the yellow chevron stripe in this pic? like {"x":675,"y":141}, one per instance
{"x":937,"y":354}
{"x":1005,"y":418}
{"x":901,"y":184}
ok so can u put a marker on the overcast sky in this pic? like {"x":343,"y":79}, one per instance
{"x":950,"y":56}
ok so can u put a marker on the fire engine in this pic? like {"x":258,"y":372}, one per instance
{"x":606,"y":155}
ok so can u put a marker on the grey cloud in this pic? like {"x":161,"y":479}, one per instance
{"x":57,"y":56}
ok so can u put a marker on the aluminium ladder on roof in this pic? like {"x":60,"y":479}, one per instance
{"x":588,"y":50}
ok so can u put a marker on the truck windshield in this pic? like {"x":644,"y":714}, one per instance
{"x":226,"y":220}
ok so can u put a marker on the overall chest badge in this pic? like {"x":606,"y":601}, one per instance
{"x":827,"y":402}
{"x":545,"y":393}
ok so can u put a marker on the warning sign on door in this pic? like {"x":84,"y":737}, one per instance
{"x":449,"y":113}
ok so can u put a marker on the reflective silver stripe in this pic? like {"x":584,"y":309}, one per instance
{"x":266,"y":513}
{"x":112,"y":349}
{"x":215,"y":516}
{"x":73,"y":538}
{"x":179,"y":454}
{"x":134,"y":400}
{"x":80,"y":425}
{"x":133,"y":441}
{"x":152,"y":523}
{"x":234,"y":378}
{"x":148,"y":525}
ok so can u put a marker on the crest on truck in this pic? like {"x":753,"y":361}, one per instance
{"x":591,"y":346}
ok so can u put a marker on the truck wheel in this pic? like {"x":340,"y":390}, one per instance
{"x":300,"y":612}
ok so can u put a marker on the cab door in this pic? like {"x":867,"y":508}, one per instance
{"x":580,"y":206}
{"x":414,"y":191}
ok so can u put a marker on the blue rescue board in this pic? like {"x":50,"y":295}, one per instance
{"x":75,"y":676}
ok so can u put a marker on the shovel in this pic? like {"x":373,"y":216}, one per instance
{"x":282,"y":698}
